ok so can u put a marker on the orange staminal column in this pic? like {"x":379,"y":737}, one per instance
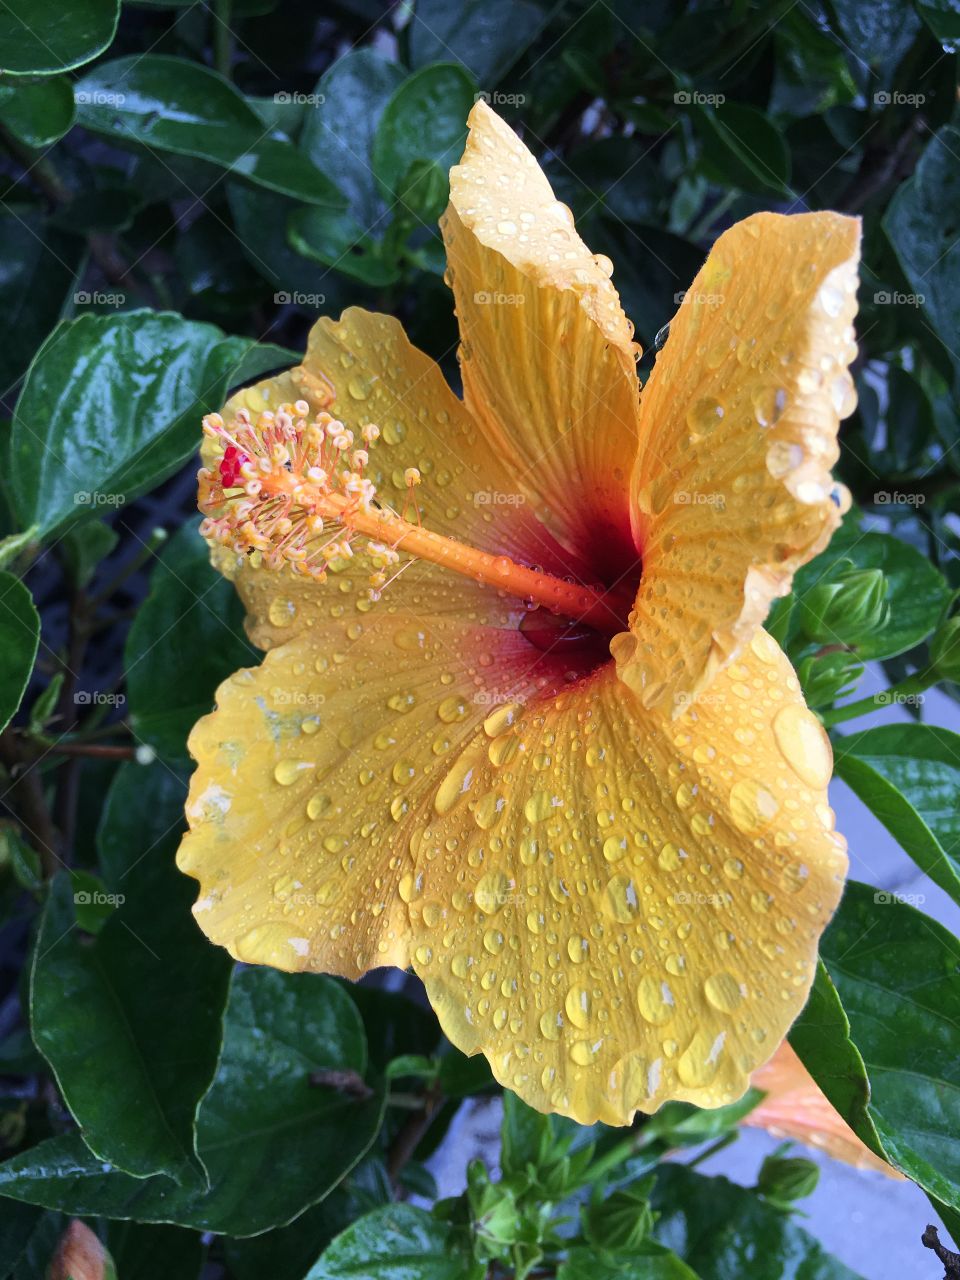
{"x":295,"y":491}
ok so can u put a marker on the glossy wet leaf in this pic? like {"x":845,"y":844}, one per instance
{"x":38,"y":112}
{"x":110,"y":407}
{"x":742,"y":148}
{"x":725,"y":1232}
{"x":397,"y":1242}
{"x":38,"y":277}
{"x":145,"y":1000}
{"x":19,"y":637}
{"x":880,"y":1035}
{"x":916,"y":593}
{"x":334,"y":239}
{"x":652,"y":1261}
{"x":487,"y":36}
{"x":425,"y":119}
{"x":338,"y":132}
{"x":908,"y":776}
{"x":922,"y":225}
{"x":41,"y":37}
{"x":273,"y":1143}
{"x":171,"y":105}
{"x":186,"y":638}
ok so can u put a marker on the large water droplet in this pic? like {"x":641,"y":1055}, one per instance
{"x":698,"y":1064}
{"x":752,"y":807}
{"x":723,"y":992}
{"x":455,"y":785}
{"x":804,"y":744}
{"x":655,"y":1000}
{"x":287,"y":772}
{"x":492,"y":892}
{"x":579,"y":1006}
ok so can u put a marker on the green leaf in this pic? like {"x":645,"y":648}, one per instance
{"x":682,"y":1124}
{"x":487,"y":36}
{"x":143,"y":1251}
{"x":338,"y":132}
{"x":288,"y":1252}
{"x":186,"y":638}
{"x":273,"y":1143}
{"x":19,"y":638}
{"x":526,"y":1136}
{"x":742,"y":148}
{"x":40,"y":265}
{"x":145,"y":1000}
{"x":172,"y":105}
{"x":395,"y":1026}
{"x":461,"y":1077}
{"x":821,"y":1037}
{"x":42,"y":37}
{"x":726,"y":1232}
{"x":336,"y":240}
{"x":908,"y":776}
{"x":922,"y":224}
{"x":111,"y":406}
{"x":885,"y":1046}
{"x":84,"y":546}
{"x":942,"y":17}
{"x":28,"y":1238}
{"x":917,"y":592}
{"x":652,"y":1262}
{"x":38,"y":112}
{"x":880,"y":31}
{"x":397,"y":1242}
{"x":425,"y":119}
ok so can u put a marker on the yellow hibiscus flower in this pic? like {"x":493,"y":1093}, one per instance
{"x":557,"y":767}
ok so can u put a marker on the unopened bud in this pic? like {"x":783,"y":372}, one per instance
{"x":945,"y":650}
{"x":826,"y":677}
{"x":80,"y":1256}
{"x":784,"y":1179}
{"x":846,"y":610}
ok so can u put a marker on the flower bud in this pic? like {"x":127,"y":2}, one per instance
{"x":945,"y":650}
{"x":846,"y":610}
{"x":80,"y":1256}
{"x":826,"y":677}
{"x":424,"y":190}
{"x":784,"y":1179}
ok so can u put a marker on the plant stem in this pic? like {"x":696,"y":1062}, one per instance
{"x":721,"y":1143}
{"x":223,"y":37}
{"x":99,"y":750}
{"x":411,"y":1133}
{"x":908,"y":688}
{"x":30,"y":802}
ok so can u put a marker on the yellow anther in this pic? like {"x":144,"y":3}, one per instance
{"x":370,"y":432}
{"x":411,"y":476}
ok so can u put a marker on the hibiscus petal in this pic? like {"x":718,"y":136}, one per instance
{"x":732,"y":489}
{"x":619,"y":910}
{"x":795,"y":1107}
{"x":316,"y":772}
{"x":547,"y":355}
{"x":376,"y":375}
